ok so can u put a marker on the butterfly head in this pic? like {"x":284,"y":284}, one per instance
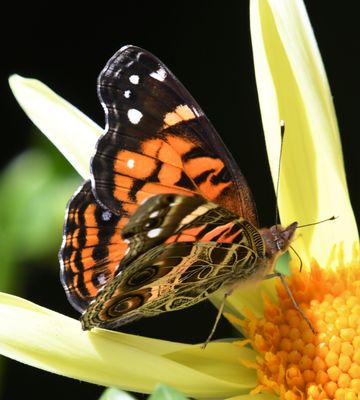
{"x":277,"y":239}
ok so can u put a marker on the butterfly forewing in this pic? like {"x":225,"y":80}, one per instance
{"x":158,"y":140}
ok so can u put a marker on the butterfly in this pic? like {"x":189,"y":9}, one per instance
{"x":167,"y":218}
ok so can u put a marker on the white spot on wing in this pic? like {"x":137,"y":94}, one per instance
{"x":154,"y":232}
{"x":154,"y":214}
{"x":106,"y":215}
{"x":159,"y":75}
{"x":134,"y":79}
{"x":131,"y":163}
{"x":134,"y":116}
{"x":127,"y":94}
{"x":101,"y":279}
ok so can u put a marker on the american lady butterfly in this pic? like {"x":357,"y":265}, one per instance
{"x":167,"y":218}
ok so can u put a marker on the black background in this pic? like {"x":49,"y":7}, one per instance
{"x":207,"y":45}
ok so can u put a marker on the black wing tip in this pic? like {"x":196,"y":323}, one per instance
{"x":132,"y":49}
{"x":128,"y":50}
{"x":121,"y":57}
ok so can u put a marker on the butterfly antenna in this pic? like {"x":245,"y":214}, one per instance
{"x":318,"y":222}
{"x":304,"y":226}
{"x":282,"y":133}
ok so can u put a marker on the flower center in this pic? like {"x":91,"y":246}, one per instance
{"x":293,"y":362}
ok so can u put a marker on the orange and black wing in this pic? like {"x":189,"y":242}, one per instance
{"x":91,"y":249}
{"x":158,"y":140}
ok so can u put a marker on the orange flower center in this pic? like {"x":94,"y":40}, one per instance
{"x":297,"y":364}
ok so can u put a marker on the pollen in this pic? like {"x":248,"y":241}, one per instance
{"x":292,"y":361}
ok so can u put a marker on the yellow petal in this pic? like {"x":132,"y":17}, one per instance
{"x":292,"y":86}
{"x":71,"y":131}
{"x":248,"y":298}
{"x":45,"y":339}
{"x":220,"y":360}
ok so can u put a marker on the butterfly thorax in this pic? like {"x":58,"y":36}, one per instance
{"x":277,"y":240}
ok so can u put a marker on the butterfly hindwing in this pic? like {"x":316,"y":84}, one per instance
{"x":166,"y":278}
{"x":196,"y":248}
{"x":92,"y":247}
{"x":158,"y":140}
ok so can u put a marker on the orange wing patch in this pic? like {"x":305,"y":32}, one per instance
{"x":180,"y":144}
{"x":201,"y":169}
{"x":159,"y":149}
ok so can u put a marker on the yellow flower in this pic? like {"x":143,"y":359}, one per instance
{"x":285,"y":359}
{"x":291,"y":361}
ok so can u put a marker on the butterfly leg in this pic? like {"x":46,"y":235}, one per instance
{"x":218,"y":316}
{"x":295,"y":304}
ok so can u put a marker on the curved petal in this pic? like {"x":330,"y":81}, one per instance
{"x":222,"y":361}
{"x":71,"y":131}
{"x":292,"y":86}
{"x":56,"y":343}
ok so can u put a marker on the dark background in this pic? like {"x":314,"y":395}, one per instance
{"x":207,"y":45}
